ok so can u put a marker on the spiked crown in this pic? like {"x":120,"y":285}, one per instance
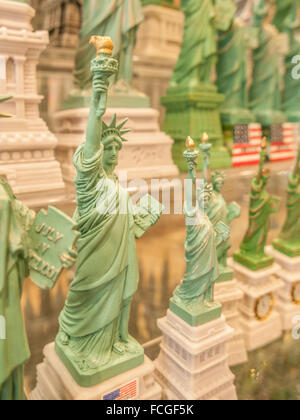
{"x":114,"y":130}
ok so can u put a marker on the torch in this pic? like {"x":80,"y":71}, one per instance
{"x":103,"y":65}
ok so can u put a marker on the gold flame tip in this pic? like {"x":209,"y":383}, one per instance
{"x":204,"y":138}
{"x":103,"y":44}
{"x":264,"y":143}
{"x":190,"y":144}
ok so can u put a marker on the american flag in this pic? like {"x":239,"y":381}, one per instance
{"x":125,"y":392}
{"x":282,"y":142}
{"x":247,"y":144}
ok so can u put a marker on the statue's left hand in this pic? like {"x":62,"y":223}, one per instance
{"x":69,"y":259}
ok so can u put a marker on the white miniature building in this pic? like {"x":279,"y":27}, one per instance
{"x":26,"y":144}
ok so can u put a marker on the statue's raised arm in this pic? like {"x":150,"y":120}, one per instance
{"x":103,"y":67}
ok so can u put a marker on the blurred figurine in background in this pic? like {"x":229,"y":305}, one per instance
{"x":17,"y":251}
{"x":193,"y":299}
{"x":219,"y":211}
{"x":262,"y":206}
{"x":118,"y":19}
{"x":289,"y":239}
{"x":265,"y":97}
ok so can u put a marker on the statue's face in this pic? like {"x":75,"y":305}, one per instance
{"x":205,"y":200}
{"x":218,"y":184}
{"x":111,"y":155}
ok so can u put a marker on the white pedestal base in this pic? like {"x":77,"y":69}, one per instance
{"x":26,"y":145}
{"x":260,"y":321}
{"x":230,"y":296}
{"x":55,"y":383}
{"x":193,"y":362}
{"x":146,"y":155}
{"x":158,"y":46}
{"x":288,"y":302}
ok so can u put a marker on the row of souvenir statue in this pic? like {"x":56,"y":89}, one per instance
{"x":93,"y":347}
{"x":214,"y":38}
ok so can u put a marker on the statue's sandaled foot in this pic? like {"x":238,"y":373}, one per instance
{"x":120,"y":348}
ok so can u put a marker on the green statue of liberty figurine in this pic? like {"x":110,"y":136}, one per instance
{"x":232,"y":66}
{"x":93,"y":341}
{"x":118,"y":19}
{"x":262,"y":205}
{"x":218,"y":211}
{"x":291,"y":92}
{"x":265,"y":97}
{"x":193,"y":101}
{"x":289,"y":239}
{"x":16,"y":252}
{"x":193,"y":299}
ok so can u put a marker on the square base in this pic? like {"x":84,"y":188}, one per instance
{"x":55,"y":383}
{"x":261,"y":333}
{"x":226,"y":274}
{"x":117,"y":365}
{"x":254,"y":263}
{"x":196,"y":316}
{"x":287,"y":248}
{"x":193,"y":363}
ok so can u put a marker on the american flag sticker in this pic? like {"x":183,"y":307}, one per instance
{"x":125,"y":392}
{"x":282,"y":142}
{"x":247,"y":144}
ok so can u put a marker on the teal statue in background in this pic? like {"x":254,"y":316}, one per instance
{"x":218,"y":211}
{"x":118,"y":19}
{"x":262,"y":205}
{"x":18,"y":250}
{"x":265,"y":96}
{"x":232,"y":67}
{"x":199,"y":50}
{"x":289,"y":239}
{"x":193,"y":299}
{"x":192,"y":102}
{"x":291,"y":93}
{"x":93,"y":341}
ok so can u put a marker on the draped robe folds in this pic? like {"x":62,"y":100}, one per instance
{"x":262,"y":205}
{"x":232,"y":67}
{"x":218,"y":212}
{"x":118,"y":19}
{"x":14,"y":252}
{"x":291,"y":229}
{"x":201,"y":258}
{"x":265,"y":88}
{"x":199,"y":47}
{"x":107,"y":271}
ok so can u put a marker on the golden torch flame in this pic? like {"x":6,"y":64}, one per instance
{"x":190,"y":144}
{"x":264,"y":143}
{"x":204,"y":138}
{"x":103,"y":44}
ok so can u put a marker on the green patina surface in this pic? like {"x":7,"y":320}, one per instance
{"x":193,"y":299}
{"x":192,"y":103}
{"x":93,"y":340}
{"x":265,"y":96}
{"x":232,"y":66}
{"x":164,"y":3}
{"x":119,"y":21}
{"x":218,"y":212}
{"x":117,"y":364}
{"x":262,"y":205}
{"x":289,"y":238}
{"x":196,"y":315}
{"x":287,"y":20}
{"x":17,"y":245}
